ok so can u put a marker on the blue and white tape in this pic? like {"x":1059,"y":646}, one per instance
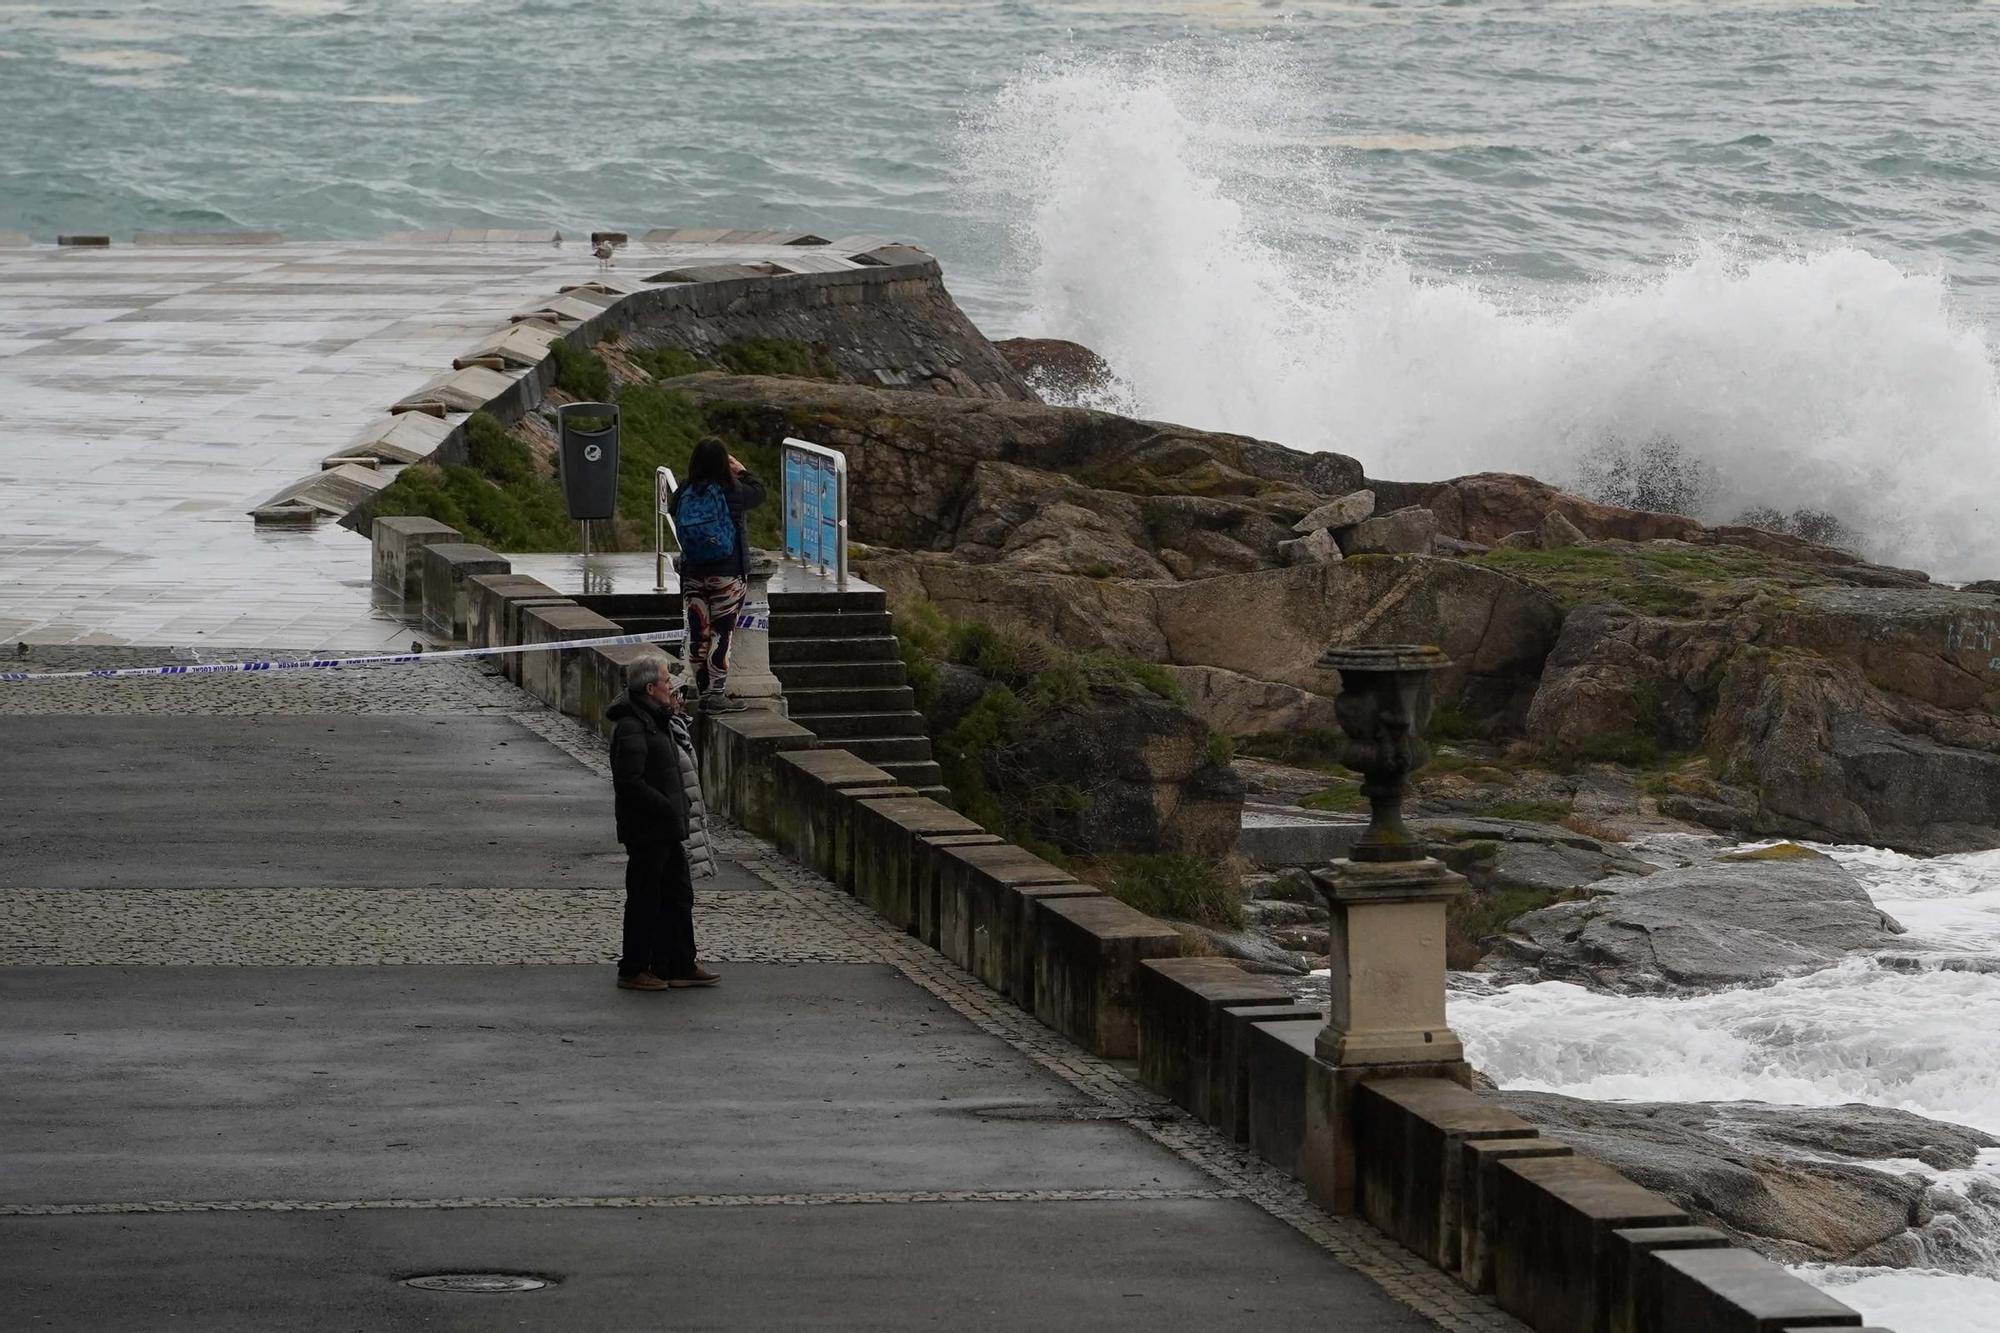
{"x":744,"y":621}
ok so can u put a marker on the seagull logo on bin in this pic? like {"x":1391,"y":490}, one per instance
{"x":592,"y":452}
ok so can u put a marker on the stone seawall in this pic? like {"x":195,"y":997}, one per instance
{"x":879,"y":315}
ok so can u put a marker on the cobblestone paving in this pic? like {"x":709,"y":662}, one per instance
{"x":802,"y":918}
{"x":357,"y":927}
{"x":454,"y":685}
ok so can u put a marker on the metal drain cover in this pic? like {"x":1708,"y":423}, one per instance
{"x":476,"y":1282}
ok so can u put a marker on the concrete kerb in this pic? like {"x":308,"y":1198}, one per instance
{"x":1087,"y":955}
{"x":1181,"y":1004}
{"x":1407,"y":1139}
{"x":886,"y":831}
{"x":555,"y":676}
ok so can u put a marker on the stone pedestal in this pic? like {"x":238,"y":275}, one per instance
{"x":1386,"y":1018}
{"x":1386,"y":955}
{"x":750,"y":677}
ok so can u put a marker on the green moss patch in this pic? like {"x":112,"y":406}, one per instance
{"x":1657,"y":578}
{"x":1183,"y":888}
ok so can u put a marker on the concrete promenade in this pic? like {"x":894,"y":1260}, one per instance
{"x":306,"y":986}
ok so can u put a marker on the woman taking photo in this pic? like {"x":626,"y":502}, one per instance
{"x":708,"y":514}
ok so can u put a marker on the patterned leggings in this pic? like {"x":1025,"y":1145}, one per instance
{"x":712,"y":604}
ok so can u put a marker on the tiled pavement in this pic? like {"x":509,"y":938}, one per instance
{"x":766,"y":909}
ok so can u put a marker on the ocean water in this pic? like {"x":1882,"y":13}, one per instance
{"x":1568,"y":237}
{"x":1922,"y":1035}
{"x":1754,"y":244}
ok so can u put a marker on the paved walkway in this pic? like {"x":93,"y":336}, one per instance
{"x":307,"y":992}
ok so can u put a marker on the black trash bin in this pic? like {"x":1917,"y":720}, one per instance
{"x":587,"y":458}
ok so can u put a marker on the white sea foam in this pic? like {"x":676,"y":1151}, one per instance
{"x":1914,"y":1298}
{"x":1163,"y":198}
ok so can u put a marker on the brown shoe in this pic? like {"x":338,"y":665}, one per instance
{"x":642,"y":981}
{"x":698,"y":977}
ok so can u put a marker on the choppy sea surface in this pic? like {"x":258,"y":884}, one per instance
{"x":1747,"y":250}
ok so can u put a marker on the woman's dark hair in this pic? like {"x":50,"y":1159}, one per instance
{"x":709,"y":462}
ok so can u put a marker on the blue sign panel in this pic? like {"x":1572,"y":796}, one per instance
{"x":812,"y":483}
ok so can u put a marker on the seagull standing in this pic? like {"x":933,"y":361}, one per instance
{"x":604,"y":251}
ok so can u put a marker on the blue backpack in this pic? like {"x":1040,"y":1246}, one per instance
{"x":706,"y":526}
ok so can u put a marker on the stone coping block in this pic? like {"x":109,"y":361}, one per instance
{"x":1407,"y":1136}
{"x":521,"y":346}
{"x":885,"y":833}
{"x":1279,"y":1062}
{"x":1087,"y":956}
{"x":1181,"y":1003}
{"x":1005,"y":950}
{"x":1735,"y":1291}
{"x":334,"y":491}
{"x":466,"y":390}
{"x":1635,"y":1289}
{"x":980,"y":918}
{"x":398,"y":544}
{"x":447,"y":565}
{"x":208,"y":238}
{"x":1477,"y":1220}
{"x":511,"y":630}
{"x":802,"y":812}
{"x":1552,"y":1239}
{"x":407,"y":437}
{"x":1232,"y":1058}
{"x":842,"y":805}
{"x":739,"y":754}
{"x":603,"y":679}
{"x":486,"y":596}
{"x":926,"y":868}
{"x":555,"y":676}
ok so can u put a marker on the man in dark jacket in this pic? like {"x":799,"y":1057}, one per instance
{"x":659,"y":952}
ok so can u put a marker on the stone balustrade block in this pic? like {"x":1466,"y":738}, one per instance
{"x":1279,"y":1064}
{"x":739,"y":753}
{"x":555,"y":676}
{"x":1635,"y":1284}
{"x":1735,"y":1291}
{"x":1551,"y":1241}
{"x":485,"y":610}
{"x":1407,"y":1136}
{"x":1477,"y":1220}
{"x":926,"y":868}
{"x":885,"y":833}
{"x":1232,"y":1058}
{"x":803,"y":783}
{"x":398,"y":551}
{"x":1181,"y":1003}
{"x":1003,"y":934}
{"x":972,"y":886}
{"x":447,"y":565}
{"x":1087,"y":956}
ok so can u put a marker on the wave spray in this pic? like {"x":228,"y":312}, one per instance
{"x":1177,"y":214}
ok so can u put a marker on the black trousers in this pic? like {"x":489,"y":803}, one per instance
{"x":659,"y":911}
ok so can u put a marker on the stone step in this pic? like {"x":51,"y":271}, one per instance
{"x":874,"y":648}
{"x":878,"y":750}
{"x":836,"y":675}
{"x":828,"y":624}
{"x":873,"y":600}
{"x":921,"y":774}
{"x":806,"y":703}
{"x":836,"y":728}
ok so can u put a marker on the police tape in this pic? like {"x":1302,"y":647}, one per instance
{"x":743,"y":622}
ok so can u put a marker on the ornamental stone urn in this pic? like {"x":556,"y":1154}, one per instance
{"x":1388,"y":898}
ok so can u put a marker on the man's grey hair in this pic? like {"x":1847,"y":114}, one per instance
{"x":647,"y":669}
